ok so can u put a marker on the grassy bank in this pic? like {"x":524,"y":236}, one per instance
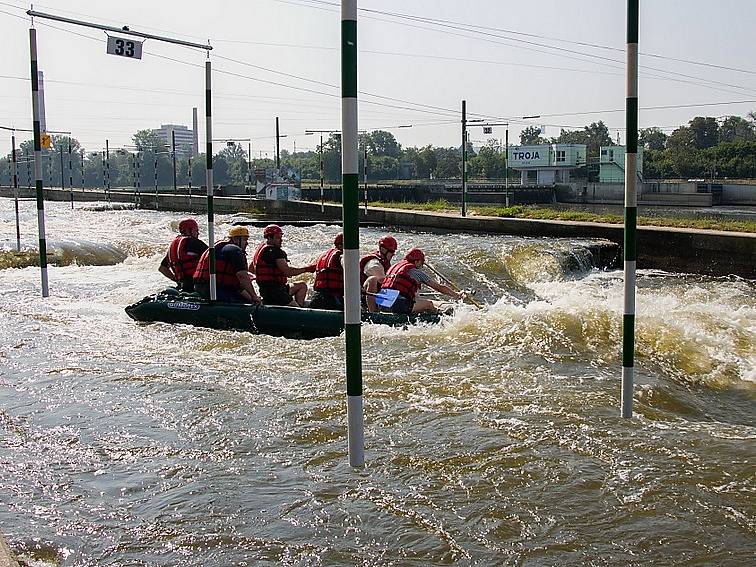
{"x":542,"y":213}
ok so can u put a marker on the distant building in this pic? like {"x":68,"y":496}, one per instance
{"x":184,"y":138}
{"x":612,"y":164}
{"x":546,"y":164}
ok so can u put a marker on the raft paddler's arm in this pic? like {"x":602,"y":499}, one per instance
{"x":246,"y":285}
{"x":290,"y":271}
{"x":167,"y":273}
{"x":445,"y":289}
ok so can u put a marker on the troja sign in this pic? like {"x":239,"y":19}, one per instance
{"x":522,"y":156}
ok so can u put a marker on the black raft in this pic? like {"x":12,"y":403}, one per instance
{"x":172,"y":306}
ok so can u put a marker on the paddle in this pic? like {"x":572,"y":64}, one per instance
{"x":384,"y":298}
{"x":452,"y":285}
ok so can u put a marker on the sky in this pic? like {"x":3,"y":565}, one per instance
{"x":562,"y":61}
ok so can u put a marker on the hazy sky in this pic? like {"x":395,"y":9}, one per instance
{"x":508,"y":59}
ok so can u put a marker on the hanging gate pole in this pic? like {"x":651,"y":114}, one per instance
{"x":38,"y":163}
{"x":209,"y":176}
{"x":631,"y":211}
{"x":350,"y":189}
{"x":464,"y":158}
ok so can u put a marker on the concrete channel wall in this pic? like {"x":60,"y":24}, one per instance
{"x":671,"y":249}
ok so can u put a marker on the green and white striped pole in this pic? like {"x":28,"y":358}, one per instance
{"x":631,"y":210}
{"x":350,"y":188}
{"x":38,"y":162}
{"x":209,"y":177}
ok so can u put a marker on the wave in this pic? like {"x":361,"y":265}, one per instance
{"x":65,"y":253}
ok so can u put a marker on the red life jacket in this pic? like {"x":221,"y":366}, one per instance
{"x":375,"y":255}
{"x":398,"y":278}
{"x":180,"y":262}
{"x":329,"y":274}
{"x":225,"y":276}
{"x":264,"y":272}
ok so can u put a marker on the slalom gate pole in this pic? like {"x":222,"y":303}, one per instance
{"x":62,"y":179}
{"x":322,"y":197}
{"x":103,"y":173}
{"x":139,"y":179}
{"x":70,"y":172}
{"x":190,"y":183}
{"x":350,"y":190}
{"x":14,"y":174}
{"x":38,"y":163}
{"x":157,"y":204}
{"x":107,"y":165}
{"x":82,"y":170}
{"x":209,"y":175}
{"x":134,"y":176}
{"x":464,"y":158}
{"x":631,"y":211}
{"x":364,"y":178}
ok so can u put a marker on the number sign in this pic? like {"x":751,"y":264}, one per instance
{"x":124,"y":47}
{"x":487,"y":130}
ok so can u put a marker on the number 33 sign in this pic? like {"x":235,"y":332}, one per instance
{"x":124,"y":47}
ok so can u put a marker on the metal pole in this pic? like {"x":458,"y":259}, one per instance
{"x":190,"y":183}
{"x":82,"y":169}
{"x":350,"y":182}
{"x":209,"y":176}
{"x":278,"y":147}
{"x":322,"y":179}
{"x":38,"y":163}
{"x":249,"y":166}
{"x":107,"y":166}
{"x":157,"y":204}
{"x":173,"y":152}
{"x":14,"y":172}
{"x":139,"y":179}
{"x":103,"y":173}
{"x":464,"y":158}
{"x":631,"y":210}
{"x":506,"y":166}
{"x":62,"y":184}
{"x":133,"y":176}
{"x":28,"y":169}
{"x":364,"y":177}
{"x":70,"y":172}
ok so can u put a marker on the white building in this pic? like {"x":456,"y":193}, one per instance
{"x":546,"y":164}
{"x":184,"y":138}
{"x":612,"y":164}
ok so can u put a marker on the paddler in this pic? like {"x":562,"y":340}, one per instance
{"x":270,"y":264}
{"x":329,"y":278}
{"x":183,"y":255}
{"x":233,"y":284}
{"x":373,"y":268}
{"x":407,"y":277}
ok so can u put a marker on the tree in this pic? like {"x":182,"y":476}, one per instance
{"x":593,"y":136}
{"x":681,"y":138}
{"x":381,"y":143}
{"x":652,"y":138}
{"x":736,"y":129}
{"x":705,"y":131}
{"x":531,"y":136}
{"x":236,"y":157}
{"x":148,"y":140}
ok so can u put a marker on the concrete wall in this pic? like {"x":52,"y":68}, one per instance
{"x":672,"y":194}
{"x":738,"y":194}
{"x":670,"y":249}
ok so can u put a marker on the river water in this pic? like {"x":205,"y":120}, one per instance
{"x":492,"y":438}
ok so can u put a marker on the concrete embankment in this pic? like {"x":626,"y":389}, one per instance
{"x":671,"y":249}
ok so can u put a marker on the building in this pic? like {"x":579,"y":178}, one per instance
{"x":184,"y":138}
{"x":546,"y":164}
{"x":612,"y":164}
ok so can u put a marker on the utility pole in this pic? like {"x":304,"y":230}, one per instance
{"x":506,"y":166}
{"x":278,"y":147}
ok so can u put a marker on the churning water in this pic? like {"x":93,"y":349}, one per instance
{"x":492,"y":438}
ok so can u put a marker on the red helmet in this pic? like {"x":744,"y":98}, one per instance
{"x":187,"y":225}
{"x":339,"y":240}
{"x":414,"y":255}
{"x":272,"y":230}
{"x":388,"y":242}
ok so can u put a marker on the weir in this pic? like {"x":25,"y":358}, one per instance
{"x":681,"y":250}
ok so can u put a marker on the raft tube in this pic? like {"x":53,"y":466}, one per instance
{"x":172,"y":306}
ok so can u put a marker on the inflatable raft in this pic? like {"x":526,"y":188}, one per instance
{"x":172,"y":306}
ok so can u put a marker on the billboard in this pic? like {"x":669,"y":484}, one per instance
{"x":529,"y":156}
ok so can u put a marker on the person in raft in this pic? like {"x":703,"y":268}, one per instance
{"x":233,"y":284}
{"x":183,"y":254}
{"x":270,"y":264}
{"x":329,"y":278}
{"x":407,"y":277}
{"x":373,"y":268}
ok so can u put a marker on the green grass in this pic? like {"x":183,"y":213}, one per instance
{"x":539,"y":213}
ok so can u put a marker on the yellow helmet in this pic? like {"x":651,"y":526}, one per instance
{"x":238,"y":231}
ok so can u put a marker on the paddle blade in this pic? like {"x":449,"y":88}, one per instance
{"x":386,"y":297}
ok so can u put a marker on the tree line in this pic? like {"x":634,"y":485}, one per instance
{"x":705,"y":147}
